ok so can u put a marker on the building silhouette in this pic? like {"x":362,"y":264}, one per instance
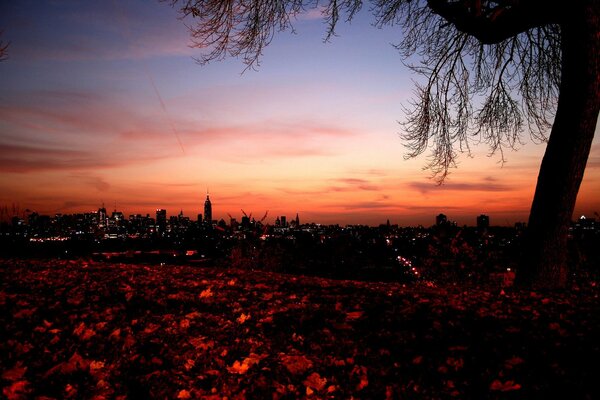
{"x":208,"y":210}
{"x":483,"y":221}
{"x":102,"y":217}
{"x":161,"y":220}
{"x":441,"y":219}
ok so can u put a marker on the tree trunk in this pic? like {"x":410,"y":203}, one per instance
{"x":544,"y":260}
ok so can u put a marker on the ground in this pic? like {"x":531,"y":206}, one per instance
{"x":80,"y":329}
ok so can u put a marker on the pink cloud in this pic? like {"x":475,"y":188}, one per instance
{"x":485,"y":186}
{"x":97,"y":182}
{"x":361,"y":184}
{"x":22,"y":159}
{"x":267,"y":139}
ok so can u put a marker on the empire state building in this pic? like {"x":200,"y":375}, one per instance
{"x":207,"y":210}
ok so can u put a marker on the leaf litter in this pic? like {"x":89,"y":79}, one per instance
{"x":81,"y":329}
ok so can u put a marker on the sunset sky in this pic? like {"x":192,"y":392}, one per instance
{"x":102,"y":102}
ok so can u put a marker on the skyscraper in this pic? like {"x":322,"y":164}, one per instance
{"x":207,"y":210}
{"x":483,"y":221}
{"x":161,"y":220}
{"x":102,"y":216}
{"x":441,"y":219}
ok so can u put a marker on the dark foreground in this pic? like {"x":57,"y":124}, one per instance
{"x":86,"y":330}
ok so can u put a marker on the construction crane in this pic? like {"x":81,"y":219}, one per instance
{"x":246,"y":215}
{"x":265,"y":216}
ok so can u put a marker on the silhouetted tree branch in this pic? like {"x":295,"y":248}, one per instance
{"x":3,"y":49}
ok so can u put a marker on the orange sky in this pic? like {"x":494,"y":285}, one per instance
{"x":105,"y":104}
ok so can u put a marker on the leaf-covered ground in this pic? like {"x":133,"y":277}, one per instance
{"x":77,"y":329}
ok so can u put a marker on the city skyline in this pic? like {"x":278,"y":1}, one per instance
{"x":264,"y":217}
{"x":104,"y":103}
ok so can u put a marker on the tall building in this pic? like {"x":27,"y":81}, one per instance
{"x":207,"y":210}
{"x":161,"y":220}
{"x":245,"y":222}
{"x":483,"y":221}
{"x":102,"y":217}
{"x":441,"y":219}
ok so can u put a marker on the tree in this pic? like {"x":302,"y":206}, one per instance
{"x":492,"y":70}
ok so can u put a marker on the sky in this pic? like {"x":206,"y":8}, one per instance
{"x":104,"y":103}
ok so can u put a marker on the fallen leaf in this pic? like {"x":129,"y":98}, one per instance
{"x":96,"y":365}
{"x":244,"y":366}
{"x":514,"y":361}
{"x":15,"y":373}
{"x":315,"y":382}
{"x":417,"y":360}
{"x":184,"y":323}
{"x":16,"y":391}
{"x":354,"y":315}
{"x":243,"y":318}
{"x":296,"y":365}
{"x":504,"y":387}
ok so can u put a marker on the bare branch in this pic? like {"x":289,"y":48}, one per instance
{"x":3,"y":49}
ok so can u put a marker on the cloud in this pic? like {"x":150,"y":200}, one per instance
{"x":94,"y":181}
{"x":22,"y":159}
{"x":266,"y":139}
{"x":352,"y":184}
{"x":487,"y":185}
{"x":364,"y":205}
{"x":430,"y":209}
{"x":361,"y":184}
{"x":66,"y":112}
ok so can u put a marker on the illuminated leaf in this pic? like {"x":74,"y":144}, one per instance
{"x":184,"y":323}
{"x":354,"y":315}
{"x":15,"y":373}
{"x":243,"y":367}
{"x":315,"y":382}
{"x":243,"y":318}
{"x":17,"y":390}
{"x":96,"y":365}
{"x":83,"y":332}
{"x":504,"y":386}
{"x":296,"y":364}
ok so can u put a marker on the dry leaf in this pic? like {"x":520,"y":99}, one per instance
{"x":315,"y":382}
{"x":296,"y":364}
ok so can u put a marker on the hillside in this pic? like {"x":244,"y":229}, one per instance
{"x":79,"y":329}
